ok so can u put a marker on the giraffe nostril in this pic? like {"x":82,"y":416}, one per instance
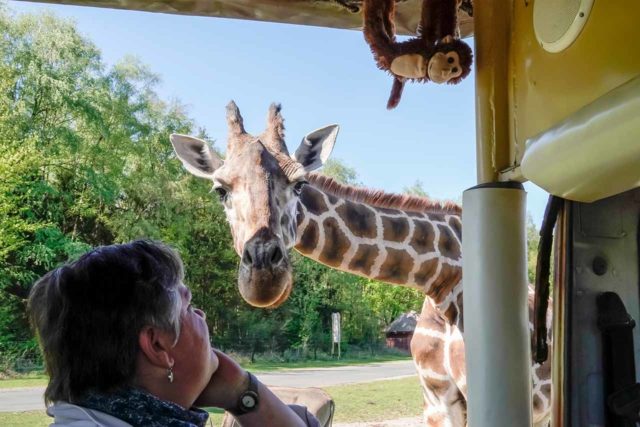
{"x":276,"y":256}
{"x":246,"y":258}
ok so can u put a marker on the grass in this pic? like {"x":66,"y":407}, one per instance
{"x":30,"y":380}
{"x":374,"y":401}
{"x":26,"y":419}
{"x":377,"y":401}
{"x":266,"y":365}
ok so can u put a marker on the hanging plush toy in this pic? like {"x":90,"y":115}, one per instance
{"x":436,"y":55}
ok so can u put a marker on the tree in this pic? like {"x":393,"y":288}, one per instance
{"x":416,"y":189}
{"x":86,"y":161}
{"x":339,"y":171}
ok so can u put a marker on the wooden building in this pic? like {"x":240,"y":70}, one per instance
{"x":400,"y":331}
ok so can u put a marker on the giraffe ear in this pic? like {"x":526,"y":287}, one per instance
{"x":316,"y":147}
{"x":196,"y":155}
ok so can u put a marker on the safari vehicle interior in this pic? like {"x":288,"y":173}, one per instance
{"x":557,"y":104}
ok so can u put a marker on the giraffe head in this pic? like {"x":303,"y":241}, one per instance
{"x":259,"y":184}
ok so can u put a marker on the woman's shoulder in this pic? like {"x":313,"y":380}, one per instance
{"x":65,"y":414}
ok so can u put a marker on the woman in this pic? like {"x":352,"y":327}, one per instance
{"x":123,"y":345}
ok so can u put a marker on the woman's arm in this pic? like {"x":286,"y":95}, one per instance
{"x":230,"y":381}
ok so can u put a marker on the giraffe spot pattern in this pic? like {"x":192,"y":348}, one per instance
{"x":312,"y":199}
{"x":436,"y":420}
{"x":448,"y":278}
{"x":389,"y":211}
{"x":415,"y":214}
{"x":456,"y":354}
{"x":364,"y":259}
{"x":544,"y":370}
{"x":425,"y":272}
{"x":456,"y":226}
{"x":395,"y":229}
{"x":336,"y":244}
{"x":309,"y":238}
{"x":451,"y":313}
{"x":546,"y":389}
{"x":436,"y":385}
{"x":360,"y":219}
{"x":396,"y":266}
{"x":436,"y":217}
{"x":332,"y":199}
{"x":429,"y":352}
{"x":537,"y":402}
{"x":448,"y":244}
{"x":423,"y":236}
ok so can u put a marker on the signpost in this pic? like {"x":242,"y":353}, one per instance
{"x":335,"y":332}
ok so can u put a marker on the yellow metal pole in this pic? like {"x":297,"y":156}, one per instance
{"x":492,"y":35}
{"x":494,"y":244}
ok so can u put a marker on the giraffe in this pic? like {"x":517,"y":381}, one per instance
{"x":275,"y":202}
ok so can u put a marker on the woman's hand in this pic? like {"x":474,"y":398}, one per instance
{"x":226,"y":384}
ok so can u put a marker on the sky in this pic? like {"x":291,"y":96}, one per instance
{"x":319,"y":75}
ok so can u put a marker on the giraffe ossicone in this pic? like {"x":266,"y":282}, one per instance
{"x":275,"y":202}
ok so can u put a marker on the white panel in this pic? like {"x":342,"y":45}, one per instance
{"x":594,"y":153}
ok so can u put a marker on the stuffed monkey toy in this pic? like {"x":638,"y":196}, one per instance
{"x":435,"y":55}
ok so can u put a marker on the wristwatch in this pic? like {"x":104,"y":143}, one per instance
{"x":248,"y":400}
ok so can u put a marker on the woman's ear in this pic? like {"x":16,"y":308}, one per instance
{"x":156,"y":345}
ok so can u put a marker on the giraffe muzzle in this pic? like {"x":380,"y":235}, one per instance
{"x":262,"y":253}
{"x":264,"y":276}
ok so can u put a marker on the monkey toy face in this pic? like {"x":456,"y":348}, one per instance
{"x":444,"y":66}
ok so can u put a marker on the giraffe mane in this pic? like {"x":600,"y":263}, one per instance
{"x":380,"y":199}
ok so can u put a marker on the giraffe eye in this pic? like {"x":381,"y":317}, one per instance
{"x":297,"y":188}
{"x":222,"y":193}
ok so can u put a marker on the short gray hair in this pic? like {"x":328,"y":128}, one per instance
{"x":88,"y":314}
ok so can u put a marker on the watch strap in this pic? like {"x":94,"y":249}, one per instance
{"x":250,"y":393}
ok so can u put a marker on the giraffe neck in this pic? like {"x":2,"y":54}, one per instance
{"x":421,"y":250}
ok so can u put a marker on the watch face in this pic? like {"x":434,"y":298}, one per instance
{"x":248,"y":401}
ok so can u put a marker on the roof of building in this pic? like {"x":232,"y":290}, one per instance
{"x":406,"y":322}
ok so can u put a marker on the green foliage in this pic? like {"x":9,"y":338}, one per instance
{"x":533,"y":240}
{"x":86,"y":161}
{"x":339,"y":171}
{"x":416,"y":189}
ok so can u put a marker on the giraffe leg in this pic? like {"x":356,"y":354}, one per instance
{"x":444,"y":404}
{"x":443,"y":407}
{"x":541,"y":373}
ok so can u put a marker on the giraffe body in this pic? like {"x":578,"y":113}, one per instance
{"x":274,"y":203}
{"x":408,"y":242}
